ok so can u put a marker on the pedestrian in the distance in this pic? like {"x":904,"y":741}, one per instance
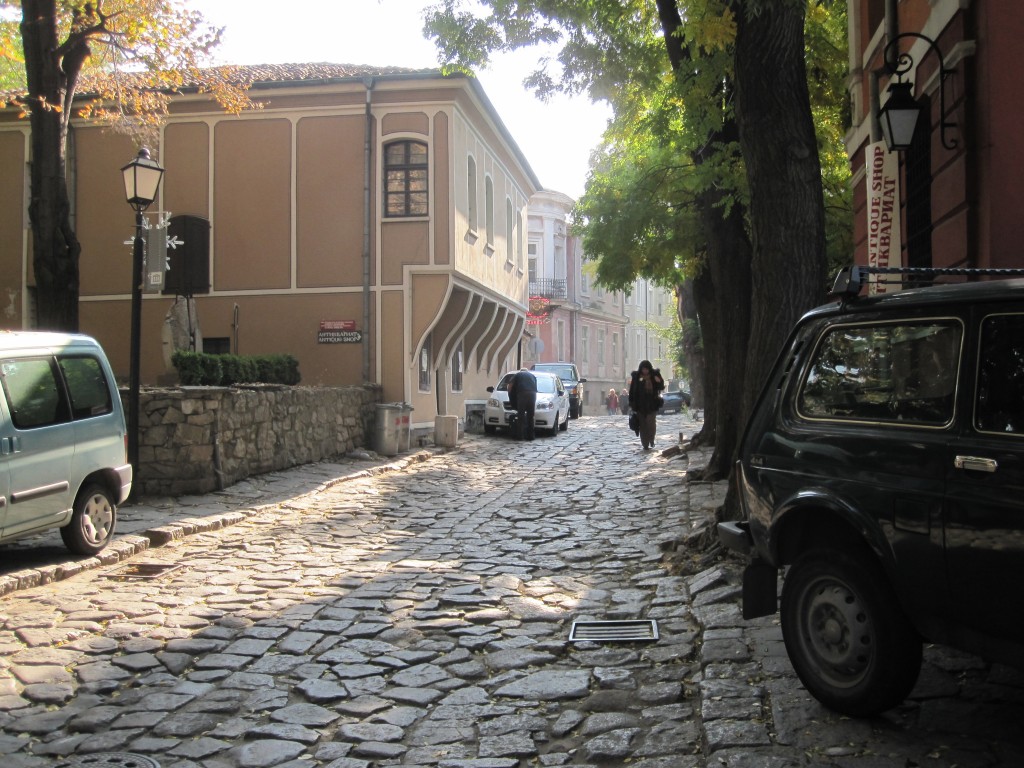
{"x":524,"y":383}
{"x":645,"y":387}
{"x":612,"y":402}
{"x":624,"y":401}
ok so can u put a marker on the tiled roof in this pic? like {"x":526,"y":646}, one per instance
{"x":264,"y":74}
{"x":284,"y":73}
{"x":275,"y":74}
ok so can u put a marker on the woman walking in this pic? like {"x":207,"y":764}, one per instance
{"x":611,"y":402}
{"x":645,"y":388}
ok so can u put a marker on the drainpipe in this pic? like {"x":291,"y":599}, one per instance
{"x":892,"y":28}
{"x":367,"y":221}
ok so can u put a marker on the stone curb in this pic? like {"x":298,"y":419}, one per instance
{"x":127,"y":546}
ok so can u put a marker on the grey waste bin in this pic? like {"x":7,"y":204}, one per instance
{"x":405,"y":428}
{"x":387,"y":431}
{"x":475,"y":410}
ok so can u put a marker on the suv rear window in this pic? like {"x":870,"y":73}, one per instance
{"x":1000,"y":404}
{"x":904,"y":373}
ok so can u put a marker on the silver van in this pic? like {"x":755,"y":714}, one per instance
{"x":63,"y":460}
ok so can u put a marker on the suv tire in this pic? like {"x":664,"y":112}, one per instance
{"x":92,"y":523}
{"x":846,"y":636}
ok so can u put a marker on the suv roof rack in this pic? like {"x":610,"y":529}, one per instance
{"x":850,"y":280}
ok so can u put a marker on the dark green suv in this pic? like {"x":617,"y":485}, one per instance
{"x":571,"y":380}
{"x":884,"y":467}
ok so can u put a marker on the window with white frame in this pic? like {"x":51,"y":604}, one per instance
{"x":615,"y":348}
{"x":405,"y":179}
{"x":584,"y":281}
{"x":600,"y":346}
{"x":531,"y":260}
{"x":584,"y":345}
{"x":426,"y":364}
{"x":471,"y":189}
{"x":560,"y":339}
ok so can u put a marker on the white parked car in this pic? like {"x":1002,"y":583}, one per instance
{"x":552,"y":412}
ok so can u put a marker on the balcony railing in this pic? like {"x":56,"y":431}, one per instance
{"x":549,"y":289}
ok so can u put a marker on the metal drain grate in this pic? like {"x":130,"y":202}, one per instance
{"x":108,"y":760}
{"x":611,"y":631}
{"x":144,"y":571}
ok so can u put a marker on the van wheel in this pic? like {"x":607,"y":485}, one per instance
{"x":849,"y":641}
{"x":490,"y":429}
{"x":92,"y":523}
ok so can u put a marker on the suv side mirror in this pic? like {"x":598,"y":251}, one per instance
{"x":583,"y":381}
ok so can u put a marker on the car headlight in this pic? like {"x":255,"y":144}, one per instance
{"x":545,"y":405}
{"x":494,"y":403}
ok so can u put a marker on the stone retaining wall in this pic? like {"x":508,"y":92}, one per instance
{"x":199,"y":439}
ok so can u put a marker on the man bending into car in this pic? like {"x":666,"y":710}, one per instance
{"x":524,"y":384}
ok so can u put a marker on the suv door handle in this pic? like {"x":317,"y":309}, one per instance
{"x":976,"y":464}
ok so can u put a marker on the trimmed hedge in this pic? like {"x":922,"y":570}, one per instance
{"x":200,"y":369}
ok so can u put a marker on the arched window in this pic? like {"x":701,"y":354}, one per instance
{"x":405,"y":179}
{"x":519,"y":239}
{"x":489,"y":210}
{"x":471,"y":203}
{"x":509,"y":234}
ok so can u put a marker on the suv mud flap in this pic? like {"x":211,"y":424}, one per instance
{"x":760,"y":589}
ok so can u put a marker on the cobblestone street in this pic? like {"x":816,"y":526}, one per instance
{"x":421,"y":617}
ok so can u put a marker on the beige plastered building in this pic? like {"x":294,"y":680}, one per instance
{"x":431,"y":272}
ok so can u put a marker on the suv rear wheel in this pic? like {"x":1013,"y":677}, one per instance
{"x":849,"y":642}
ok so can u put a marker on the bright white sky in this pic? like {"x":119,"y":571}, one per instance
{"x":556,"y":137}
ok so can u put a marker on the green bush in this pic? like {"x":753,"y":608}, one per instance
{"x":188,"y":366}
{"x":237,"y":369}
{"x":211,"y":370}
{"x":200,"y":369}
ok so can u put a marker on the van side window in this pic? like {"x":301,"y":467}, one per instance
{"x":33,"y":393}
{"x":1000,"y":400}
{"x":87,"y":386}
{"x":904,"y":373}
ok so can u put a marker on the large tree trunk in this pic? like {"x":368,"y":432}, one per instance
{"x":55,"y":247}
{"x":723,"y":293}
{"x":780,"y":153}
{"x":728,"y":268}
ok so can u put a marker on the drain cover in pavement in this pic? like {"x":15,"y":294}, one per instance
{"x":609,"y":631}
{"x":108,"y":760}
{"x":144,"y":571}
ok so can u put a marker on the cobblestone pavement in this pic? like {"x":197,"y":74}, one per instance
{"x":419,"y":614}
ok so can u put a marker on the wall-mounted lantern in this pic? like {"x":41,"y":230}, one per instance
{"x":900,"y":113}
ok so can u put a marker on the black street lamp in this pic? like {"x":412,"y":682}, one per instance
{"x":899,"y":115}
{"x":141,"y":182}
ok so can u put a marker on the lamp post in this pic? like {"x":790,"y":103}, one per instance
{"x":899,"y":115}
{"x":141,"y":182}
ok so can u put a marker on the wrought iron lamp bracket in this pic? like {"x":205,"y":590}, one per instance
{"x":899,"y":63}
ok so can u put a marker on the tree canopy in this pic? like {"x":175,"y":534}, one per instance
{"x":712,"y":172}
{"x":128,"y":57}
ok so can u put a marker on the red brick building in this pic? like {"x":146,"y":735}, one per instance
{"x":960,"y":199}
